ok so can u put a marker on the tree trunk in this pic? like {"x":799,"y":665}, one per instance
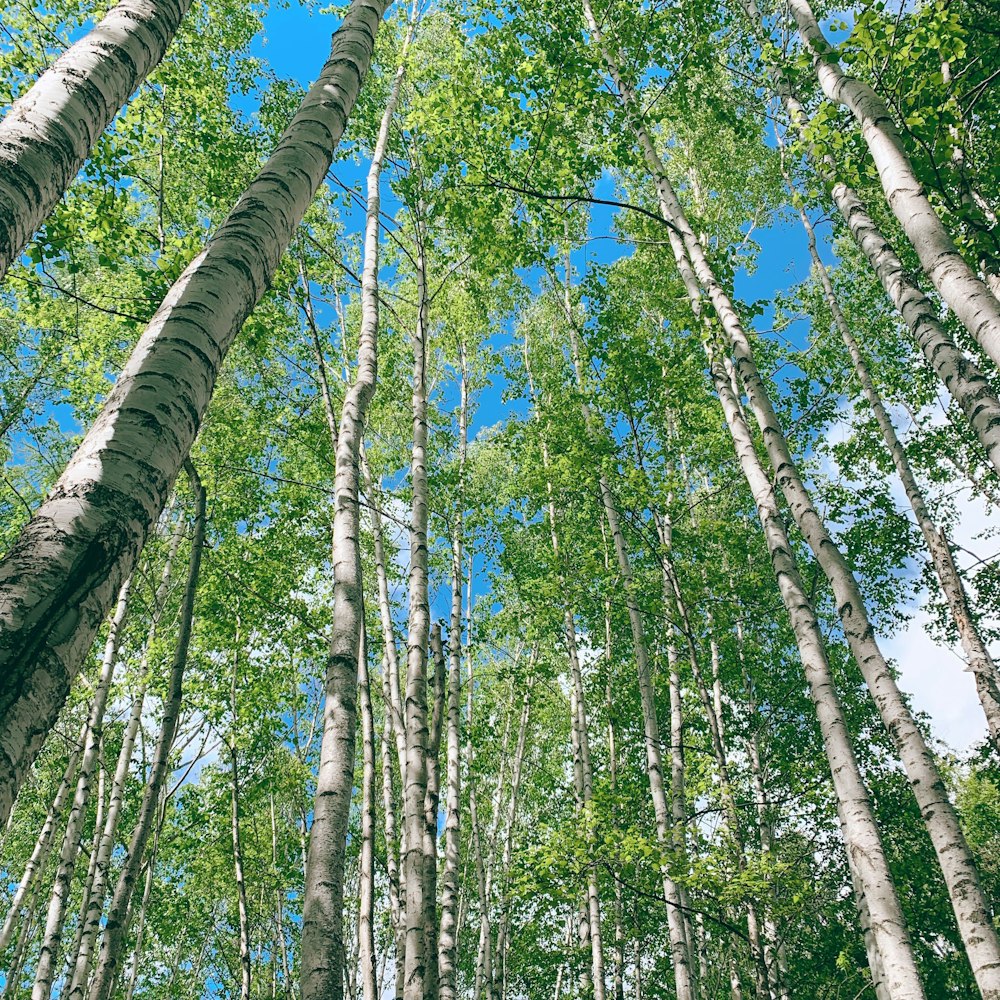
{"x":683,"y":980}
{"x":58,"y":580}
{"x":84,"y":954}
{"x":415,"y":785}
{"x":279,"y":908}
{"x":484,"y":952}
{"x":968,"y":297}
{"x":861,"y":836}
{"x":234,"y":828}
{"x":49,"y":132}
{"x":389,"y":815}
{"x":508,"y":847}
{"x":431,"y":803}
{"x":95,"y":846}
{"x":448,"y":940}
{"x":12,"y":974}
{"x":95,"y":902}
{"x":322,"y":926}
{"x":366,"y":896}
{"x":147,"y":889}
{"x":116,"y":927}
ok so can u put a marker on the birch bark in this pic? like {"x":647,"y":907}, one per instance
{"x":415,"y":786}
{"x":235,"y":833}
{"x":43,"y":844}
{"x":448,"y":939}
{"x":84,"y":954}
{"x":683,"y":979}
{"x":323,"y":955}
{"x":49,"y":132}
{"x":366,"y":863}
{"x":861,"y":835}
{"x":60,"y":577}
{"x":431,"y":804}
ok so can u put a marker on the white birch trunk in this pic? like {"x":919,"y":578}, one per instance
{"x":366,"y":862}
{"x":415,"y":784}
{"x":234,"y":829}
{"x":683,"y":979}
{"x":84,"y":955}
{"x":43,"y":844}
{"x":431,"y":803}
{"x":80,"y":971}
{"x":60,"y":577}
{"x":95,"y":845}
{"x":861,"y":835}
{"x":49,"y":132}
{"x":323,"y":953}
{"x":448,"y":938}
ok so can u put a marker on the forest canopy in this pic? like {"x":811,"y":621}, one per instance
{"x":499,"y":500}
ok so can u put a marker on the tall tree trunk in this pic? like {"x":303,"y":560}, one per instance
{"x":484,"y":952}
{"x":431,"y":804}
{"x":508,"y":847}
{"x":683,"y":979}
{"x":366,"y":896}
{"x":448,"y":939}
{"x":49,"y":132}
{"x":279,"y":908}
{"x":26,"y":932}
{"x":619,"y":980}
{"x":147,"y":889}
{"x":234,"y":828}
{"x":95,"y":847}
{"x":389,"y":815}
{"x":980,"y":662}
{"x":59,"y":578}
{"x":116,"y":927}
{"x":968,"y":297}
{"x":678,"y":795}
{"x":415,"y":785}
{"x":960,"y":375}
{"x":48,"y":956}
{"x":323,"y":960}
